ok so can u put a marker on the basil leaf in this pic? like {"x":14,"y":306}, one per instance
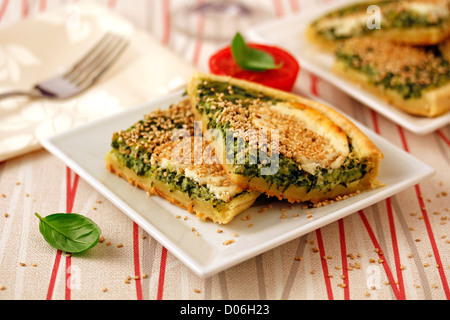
{"x":71,"y":233}
{"x":251,"y":59}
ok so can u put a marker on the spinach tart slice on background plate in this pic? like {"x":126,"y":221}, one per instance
{"x":414,"y":79}
{"x":161,"y":155}
{"x":412,"y":22}
{"x":281,"y":144}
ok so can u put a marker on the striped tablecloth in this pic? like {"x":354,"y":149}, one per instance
{"x":397,"y":249}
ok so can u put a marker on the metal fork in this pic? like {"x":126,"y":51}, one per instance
{"x":82,"y":75}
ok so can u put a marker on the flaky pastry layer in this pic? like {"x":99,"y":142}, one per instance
{"x":326,"y":119}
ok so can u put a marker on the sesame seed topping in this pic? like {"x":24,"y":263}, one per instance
{"x":157,"y":128}
{"x":408,"y":64}
{"x":228,"y":242}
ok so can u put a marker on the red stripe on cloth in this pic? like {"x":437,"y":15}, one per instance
{"x":376,"y":126}
{"x":395,"y":249}
{"x":112,"y":4}
{"x":25,"y":8}
{"x":380,"y":255}
{"x":324,"y":264}
{"x":295,"y":5}
{"x":428,"y":224}
{"x":443,"y":137}
{"x":344,"y":260}
{"x":199,"y":42}
{"x":71,"y":190}
{"x":137,"y":263}
{"x":433,"y":242}
{"x":166,"y":22}
{"x":278,"y":8}
{"x":68,"y":291}
{"x":3,"y":8}
{"x":162,"y":273}
{"x":402,"y":295}
{"x":51,"y":286}
{"x":42,"y":5}
{"x":314,"y":85}
{"x":403,"y":138}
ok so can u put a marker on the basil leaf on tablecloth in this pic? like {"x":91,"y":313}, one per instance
{"x":251,"y":59}
{"x":71,"y":233}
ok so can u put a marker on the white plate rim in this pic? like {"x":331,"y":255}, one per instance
{"x":204,"y":270}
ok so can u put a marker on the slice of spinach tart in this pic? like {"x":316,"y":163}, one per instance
{"x":282,"y":144}
{"x":162,"y":155}
{"x":413,"y":22}
{"x":413,"y":79}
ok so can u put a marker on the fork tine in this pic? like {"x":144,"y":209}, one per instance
{"x":99,"y":63}
{"x":103,"y":64}
{"x":91,"y":59}
{"x":86,"y":59}
{"x":107,"y":63}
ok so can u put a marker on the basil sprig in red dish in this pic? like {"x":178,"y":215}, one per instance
{"x":267,"y":65}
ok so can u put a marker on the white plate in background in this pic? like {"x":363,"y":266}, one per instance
{"x":289,"y":33}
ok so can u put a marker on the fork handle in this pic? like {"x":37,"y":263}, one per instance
{"x":30,"y":94}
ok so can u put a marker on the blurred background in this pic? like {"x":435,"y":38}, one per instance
{"x":174,"y":21}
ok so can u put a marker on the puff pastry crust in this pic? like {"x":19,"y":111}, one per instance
{"x":321,"y":154}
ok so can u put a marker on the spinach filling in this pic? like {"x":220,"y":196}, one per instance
{"x":289,"y":175}
{"x":437,"y":74}
{"x":409,"y":19}
{"x":210,"y":93}
{"x":138,"y":160}
{"x":288,"y":171}
{"x":392,"y":16}
{"x":175,"y":180}
{"x":180,"y":182}
{"x":134,"y":155}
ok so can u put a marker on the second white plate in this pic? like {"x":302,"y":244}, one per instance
{"x":83,"y":149}
{"x":290,"y":34}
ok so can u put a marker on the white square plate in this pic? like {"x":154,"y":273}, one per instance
{"x":83,"y":149}
{"x":289,"y":33}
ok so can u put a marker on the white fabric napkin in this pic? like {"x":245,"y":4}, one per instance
{"x":43,"y":46}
